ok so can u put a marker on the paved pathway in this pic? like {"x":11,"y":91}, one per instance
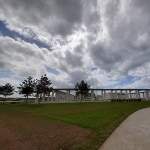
{"x":132,"y":134}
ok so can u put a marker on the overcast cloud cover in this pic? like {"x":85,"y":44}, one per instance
{"x":106,"y":43}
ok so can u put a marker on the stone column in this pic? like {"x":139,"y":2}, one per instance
{"x":56,"y":96}
{"x":116,"y":95}
{"x":144,"y":93}
{"x":111,"y":94}
{"x":130,"y":94}
{"x":67,"y":95}
{"x":137,"y":94}
{"x":121,"y":94}
{"x":102,"y":95}
{"x":59,"y":96}
{"x":133,"y":95}
{"x":140,"y":94}
{"x":127,"y":97}
{"x":52,"y":97}
{"x":92,"y":95}
{"x":147,"y":94}
{"x":71,"y":97}
{"x":48,"y":97}
{"x":143,"y":96}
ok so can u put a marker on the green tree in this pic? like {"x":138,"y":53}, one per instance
{"x":82,"y":88}
{"x":43,"y":87}
{"x":1,"y":89}
{"x":27,"y":87}
{"x":7,"y":90}
{"x":1,"y":93}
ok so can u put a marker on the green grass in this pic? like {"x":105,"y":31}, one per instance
{"x":101,"y":118}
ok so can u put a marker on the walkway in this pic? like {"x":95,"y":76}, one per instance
{"x":132,"y":134}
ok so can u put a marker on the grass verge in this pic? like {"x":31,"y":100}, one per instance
{"x":100,"y":118}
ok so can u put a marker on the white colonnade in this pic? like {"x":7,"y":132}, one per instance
{"x":64,"y":95}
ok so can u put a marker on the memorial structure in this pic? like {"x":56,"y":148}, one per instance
{"x":64,"y":95}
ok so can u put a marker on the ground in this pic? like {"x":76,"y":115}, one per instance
{"x":20,"y":131}
{"x":71,"y":126}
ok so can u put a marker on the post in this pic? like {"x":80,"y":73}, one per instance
{"x":52,"y":98}
{"x":102,"y":94}
{"x":147,"y":94}
{"x":92,"y":95}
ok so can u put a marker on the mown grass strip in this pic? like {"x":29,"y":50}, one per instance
{"x":102,"y":118}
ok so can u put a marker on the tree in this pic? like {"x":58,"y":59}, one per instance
{"x":82,"y":88}
{"x":1,"y":89}
{"x":43,"y":87}
{"x":6,"y":90}
{"x":46,"y":84}
{"x":27,"y":87}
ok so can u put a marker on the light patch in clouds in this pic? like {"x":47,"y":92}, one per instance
{"x":128,"y":79}
{"x":5,"y":73}
{"x":27,"y":35}
{"x":52,"y":70}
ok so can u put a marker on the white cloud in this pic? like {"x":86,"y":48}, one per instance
{"x":112,"y":35}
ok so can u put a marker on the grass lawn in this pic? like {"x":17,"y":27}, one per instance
{"x":98,"y":121}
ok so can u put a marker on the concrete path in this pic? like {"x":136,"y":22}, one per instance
{"x":132,"y":134}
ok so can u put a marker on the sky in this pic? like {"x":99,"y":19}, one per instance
{"x":106,"y":43}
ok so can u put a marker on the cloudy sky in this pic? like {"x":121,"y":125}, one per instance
{"x":106,"y":43}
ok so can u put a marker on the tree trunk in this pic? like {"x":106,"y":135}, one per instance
{"x":26,"y":99}
{"x":36,"y":98}
{"x":43,"y":98}
{"x":4,"y":99}
{"x":39,"y":102}
{"x":48,"y":96}
{"x":81,"y":98}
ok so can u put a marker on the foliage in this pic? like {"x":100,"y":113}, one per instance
{"x":27,"y":87}
{"x":1,"y":90}
{"x":6,"y":89}
{"x":82,"y":88}
{"x":40,"y":87}
{"x":43,"y":86}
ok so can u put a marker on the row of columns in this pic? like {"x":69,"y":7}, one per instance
{"x":63,"y":96}
{"x":123,"y":94}
{"x":104,"y":94}
{"x":56,"y":96}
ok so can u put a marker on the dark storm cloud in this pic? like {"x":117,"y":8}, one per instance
{"x":119,"y":58}
{"x":105,"y":57}
{"x":144,"y":4}
{"x":73,"y":60}
{"x":70,"y":61}
{"x":77,"y":76}
{"x":128,"y":47}
{"x":2,"y":64}
{"x":112,"y":35}
{"x":56,"y":17}
{"x":91,"y":17}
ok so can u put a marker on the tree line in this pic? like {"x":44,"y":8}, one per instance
{"x":6,"y":89}
{"x":39,"y":88}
